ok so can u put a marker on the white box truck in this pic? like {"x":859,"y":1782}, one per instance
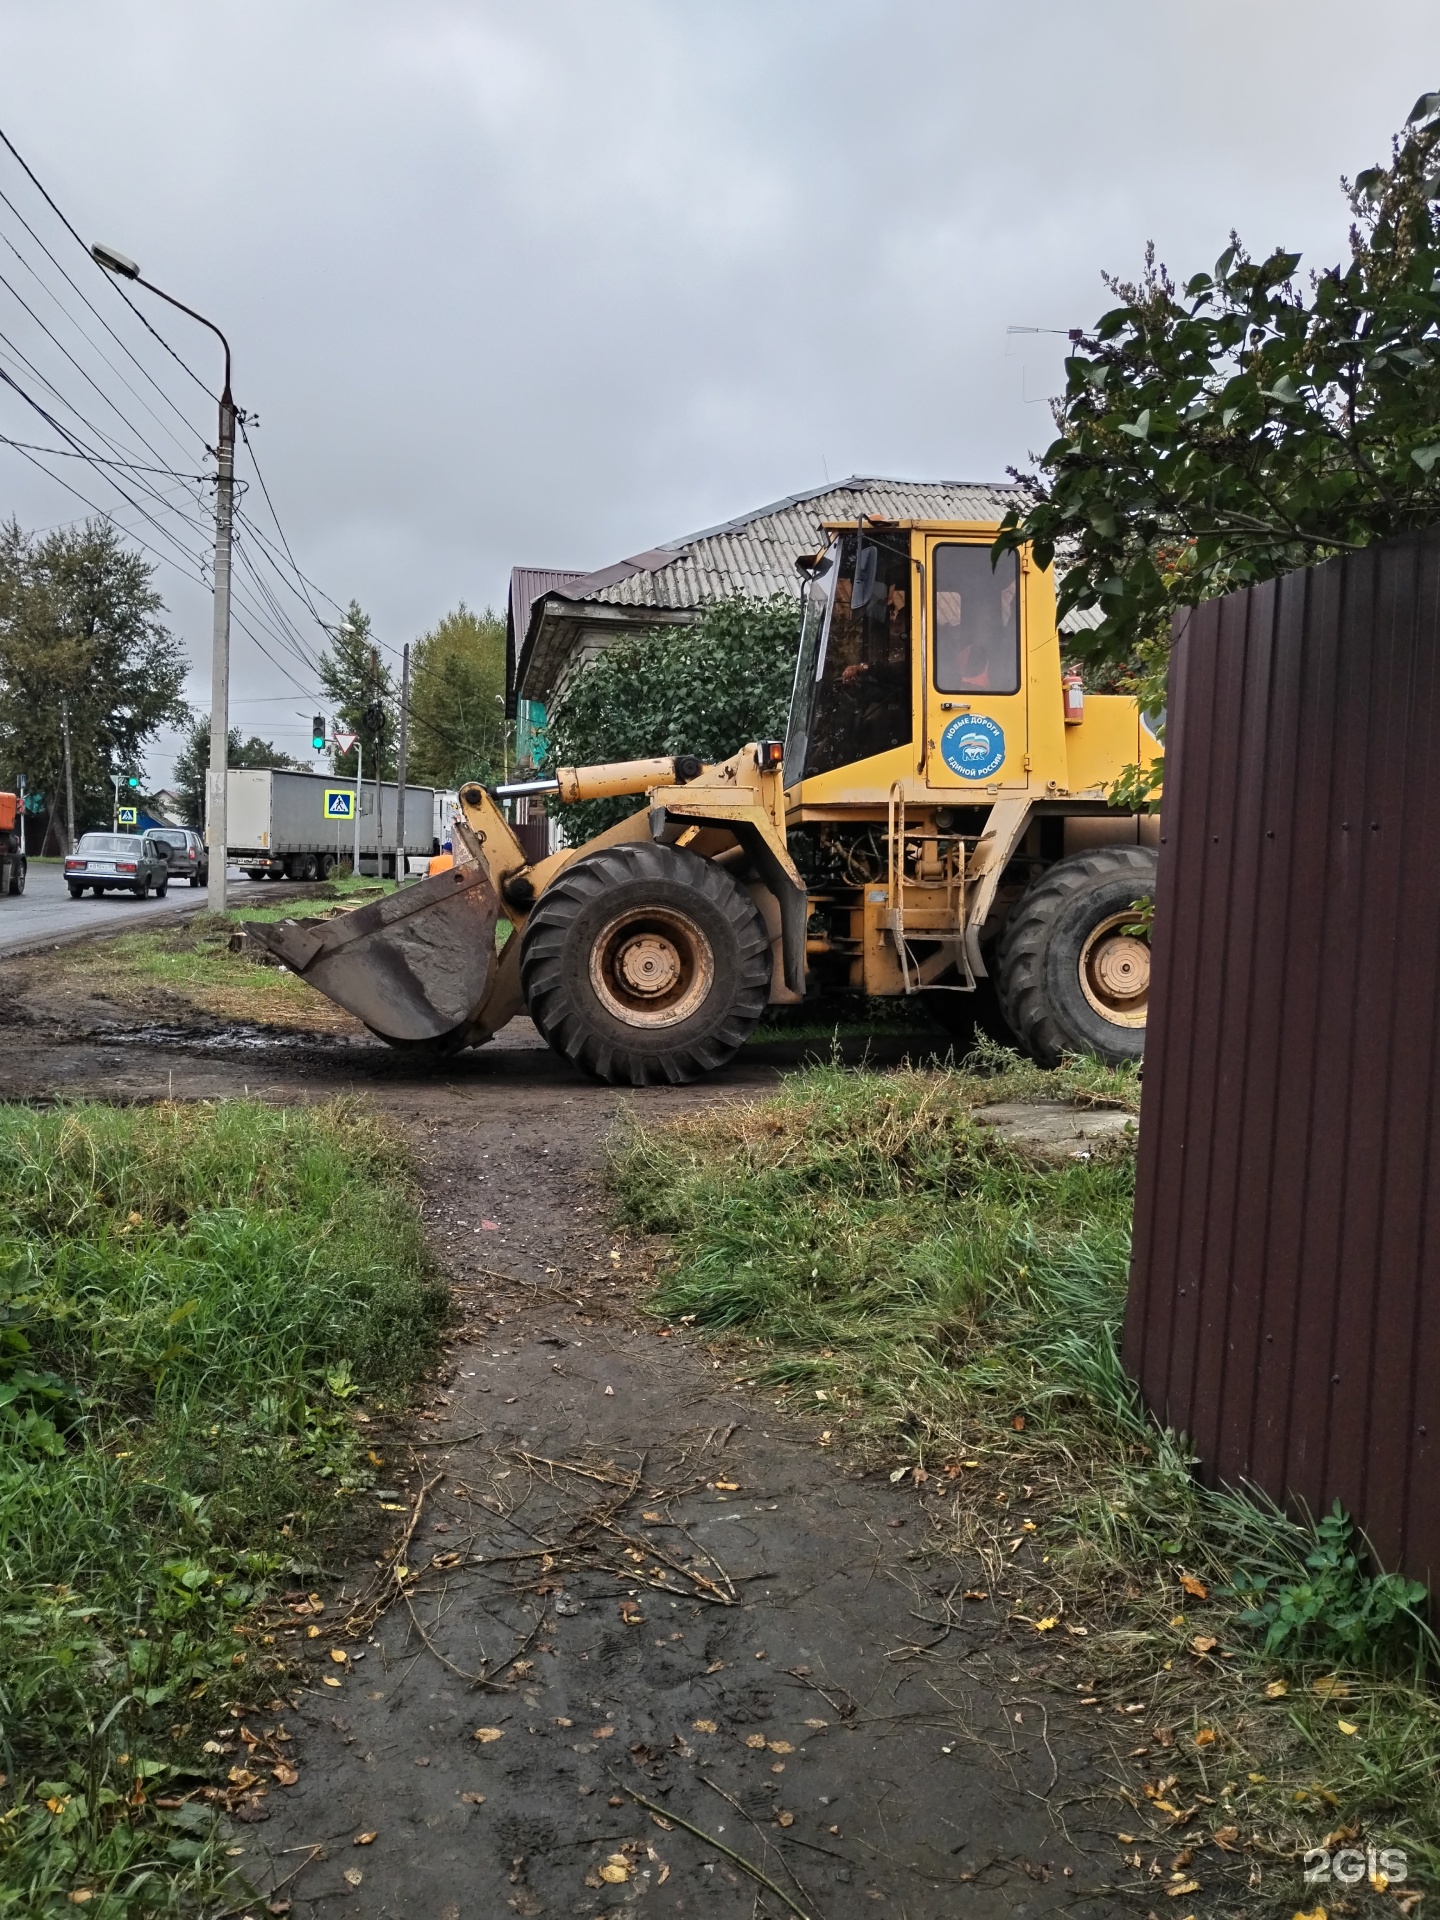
{"x":301,"y":826}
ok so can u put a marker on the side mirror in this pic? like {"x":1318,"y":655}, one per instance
{"x":867,"y":563}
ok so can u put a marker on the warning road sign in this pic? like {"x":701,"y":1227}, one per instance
{"x":127,"y":816}
{"x":339,"y":803}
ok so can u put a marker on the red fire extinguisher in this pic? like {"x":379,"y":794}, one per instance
{"x":1074,"y":689}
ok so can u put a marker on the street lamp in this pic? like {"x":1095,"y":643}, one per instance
{"x":217,"y":826}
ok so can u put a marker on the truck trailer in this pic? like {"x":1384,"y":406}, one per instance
{"x":301,"y":826}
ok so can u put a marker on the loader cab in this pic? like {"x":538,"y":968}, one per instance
{"x":914,"y":664}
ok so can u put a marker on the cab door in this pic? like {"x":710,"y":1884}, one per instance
{"x":977,"y":736}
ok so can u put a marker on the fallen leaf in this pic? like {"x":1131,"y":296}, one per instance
{"x":313,"y":1633}
{"x":975,"y":1593}
{"x":486,"y":1734}
{"x":1047,"y":1625}
{"x":1315,"y":1913}
{"x":1226,"y":1837}
{"x":1205,"y":1737}
{"x":365,"y":1839}
{"x":602,"y":1733}
{"x":704,"y":1726}
{"x":561,"y":1721}
{"x":783,"y":1819}
{"x":241,"y":1777}
{"x":756,"y":1740}
{"x":1186,"y":1886}
{"x":616,"y":1870}
{"x":653,"y":1518}
{"x":339,"y":1656}
{"x":1277,"y":1689}
{"x":330,"y":1680}
{"x":1204,"y":1643}
{"x":473,"y":1799}
{"x":1330,"y":1687}
{"x":1195,"y":1588}
{"x":727,"y":1486}
{"x":817,"y":1723}
{"x":285,"y":1774}
{"x":1347,"y":1726}
{"x":352,"y":1876}
{"x":81,"y":1895}
{"x":715,"y":1666}
{"x":1126,"y":1839}
{"x":1018,"y":1423}
{"x":779,"y":1746}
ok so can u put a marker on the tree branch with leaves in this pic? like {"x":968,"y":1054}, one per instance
{"x":1248,"y":425}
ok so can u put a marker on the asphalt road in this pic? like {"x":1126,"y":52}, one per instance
{"x":45,"y":910}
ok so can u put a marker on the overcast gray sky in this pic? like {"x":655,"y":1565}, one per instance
{"x":551,"y":283}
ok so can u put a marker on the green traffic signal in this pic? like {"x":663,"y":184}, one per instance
{"x":317,"y":733}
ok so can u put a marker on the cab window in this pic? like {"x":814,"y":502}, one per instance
{"x":977,"y":621}
{"x":861,"y":702}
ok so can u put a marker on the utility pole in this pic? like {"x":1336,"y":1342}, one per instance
{"x":377,"y":714}
{"x":219,"y":834}
{"x":69,"y":777}
{"x":401,"y":862}
{"x":359,"y":788}
{"x":217,"y":825}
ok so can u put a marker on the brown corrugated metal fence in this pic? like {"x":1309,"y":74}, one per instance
{"x":1285,"y":1294}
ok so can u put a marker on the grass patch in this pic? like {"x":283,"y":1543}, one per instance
{"x":952,"y":1306}
{"x":190,"y":1300}
{"x":190,"y":969}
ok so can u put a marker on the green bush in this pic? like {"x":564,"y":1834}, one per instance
{"x":705,"y":689}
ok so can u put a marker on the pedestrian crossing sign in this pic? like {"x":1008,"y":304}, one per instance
{"x":127,"y":816}
{"x":339,"y":803}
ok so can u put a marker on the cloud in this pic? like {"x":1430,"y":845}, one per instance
{"x":548,"y":284}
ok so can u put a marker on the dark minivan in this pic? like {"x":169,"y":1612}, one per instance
{"x":105,"y":861}
{"x":186,"y":852}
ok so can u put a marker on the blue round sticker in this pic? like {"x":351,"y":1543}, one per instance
{"x":973,"y":746}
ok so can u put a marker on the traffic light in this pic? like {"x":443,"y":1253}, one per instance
{"x":131,"y":781}
{"x":317,"y":733}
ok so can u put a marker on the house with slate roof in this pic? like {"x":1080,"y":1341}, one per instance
{"x":558,"y":619}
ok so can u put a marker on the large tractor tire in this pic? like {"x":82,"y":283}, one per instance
{"x":1071,"y":977}
{"x":645,"y":965}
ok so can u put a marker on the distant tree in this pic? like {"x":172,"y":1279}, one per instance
{"x":457,"y":701}
{"x":81,"y":625}
{"x":1248,"y":425}
{"x":703,"y":689}
{"x":192,"y":764}
{"x":363,"y":691}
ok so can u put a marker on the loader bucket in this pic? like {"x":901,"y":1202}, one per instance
{"x":414,"y":966}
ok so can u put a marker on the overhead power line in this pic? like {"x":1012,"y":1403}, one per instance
{"x":112,"y":284}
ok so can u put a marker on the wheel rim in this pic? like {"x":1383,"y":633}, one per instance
{"x":651,"y":967}
{"x":1115,"y":971}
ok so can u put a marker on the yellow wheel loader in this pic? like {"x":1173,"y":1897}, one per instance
{"x":934,"y":824}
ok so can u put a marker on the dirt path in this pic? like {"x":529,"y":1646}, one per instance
{"x":672,"y":1591}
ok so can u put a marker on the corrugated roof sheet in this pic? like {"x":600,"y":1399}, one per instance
{"x":753,"y":555}
{"x":756,"y":554}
